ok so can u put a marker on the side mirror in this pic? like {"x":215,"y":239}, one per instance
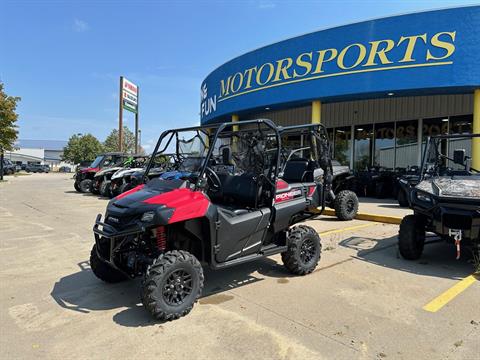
{"x":459,"y":156}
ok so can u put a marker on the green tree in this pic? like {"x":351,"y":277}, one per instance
{"x":8,"y":117}
{"x":111,"y":142}
{"x":82,"y":148}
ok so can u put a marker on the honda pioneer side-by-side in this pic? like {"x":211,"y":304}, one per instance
{"x":446,"y":200}
{"x":225,"y":205}
{"x":84,"y":176}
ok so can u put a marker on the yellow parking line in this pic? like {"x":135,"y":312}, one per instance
{"x":347,"y":229}
{"x":442,"y":300}
{"x":396,"y":220}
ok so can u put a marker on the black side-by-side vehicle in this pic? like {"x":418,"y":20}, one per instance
{"x":446,"y":200}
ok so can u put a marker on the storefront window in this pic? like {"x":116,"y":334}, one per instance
{"x":363,"y":147}
{"x":384,"y":145}
{"x":342,"y":146}
{"x":433,"y":127}
{"x":407,"y":144}
{"x":459,"y":125}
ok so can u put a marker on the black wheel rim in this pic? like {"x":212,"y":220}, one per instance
{"x":350,"y":206}
{"x":177,"y":287}
{"x":307,"y":251}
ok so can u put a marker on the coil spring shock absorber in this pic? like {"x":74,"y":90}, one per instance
{"x":161,"y":237}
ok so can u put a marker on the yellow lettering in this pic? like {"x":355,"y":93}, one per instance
{"x":449,"y":47}
{"x":361,"y":56}
{"x":282,"y":69}
{"x":375,"y":51}
{"x":248,"y":74}
{"x":411,"y":42}
{"x":240,"y":82}
{"x":322,"y":59}
{"x":225,"y":88}
{"x":258,"y":78}
{"x":307,"y":65}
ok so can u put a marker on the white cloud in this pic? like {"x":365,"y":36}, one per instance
{"x":266,"y":4}
{"x":80,"y":25}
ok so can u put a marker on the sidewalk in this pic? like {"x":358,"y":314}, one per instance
{"x":386,"y":207}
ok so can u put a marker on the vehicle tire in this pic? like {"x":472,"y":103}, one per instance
{"x":75,"y":185}
{"x":346,"y":205}
{"x":163,"y":289}
{"x":85,"y":185}
{"x":124,"y":187}
{"x":102,"y":270}
{"x":411,"y":237}
{"x":304,"y":250}
{"x":105,"y":188}
{"x":402,"y":198}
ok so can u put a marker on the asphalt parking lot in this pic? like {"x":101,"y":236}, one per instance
{"x":363,"y":301}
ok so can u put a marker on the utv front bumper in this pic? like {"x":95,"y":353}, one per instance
{"x":110,"y":240}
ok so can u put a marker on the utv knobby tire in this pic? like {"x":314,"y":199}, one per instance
{"x":411,"y":237}
{"x":104,"y":271}
{"x":105,"y":188}
{"x":402,"y":198}
{"x":300,"y":239}
{"x":76,"y":186}
{"x":85,"y":185}
{"x":346,"y":205}
{"x":160,"y":274}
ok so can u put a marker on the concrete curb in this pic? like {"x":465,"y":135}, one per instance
{"x":370,"y":217}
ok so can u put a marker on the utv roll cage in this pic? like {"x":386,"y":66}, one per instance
{"x":440,"y":157}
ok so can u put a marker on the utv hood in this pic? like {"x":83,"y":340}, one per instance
{"x":461,"y":187}
{"x":108,"y":170}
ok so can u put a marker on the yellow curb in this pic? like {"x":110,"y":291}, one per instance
{"x":443,"y":299}
{"x":370,"y":217}
{"x":350,"y":228}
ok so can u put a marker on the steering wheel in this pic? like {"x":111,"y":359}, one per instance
{"x":213,"y":180}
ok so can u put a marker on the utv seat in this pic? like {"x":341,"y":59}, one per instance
{"x":299,"y":170}
{"x":238,"y":193}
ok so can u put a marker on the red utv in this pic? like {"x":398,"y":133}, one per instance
{"x":225,"y":205}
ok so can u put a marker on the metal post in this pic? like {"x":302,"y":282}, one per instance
{"x":476,"y":130}
{"x":420,"y":141}
{"x":139,"y":139}
{"x":316,"y":112}
{"x":120,"y":117}
{"x":136,"y":122}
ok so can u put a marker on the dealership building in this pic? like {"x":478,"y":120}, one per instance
{"x":381,"y":87}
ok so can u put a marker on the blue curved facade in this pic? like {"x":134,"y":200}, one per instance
{"x":433,"y":52}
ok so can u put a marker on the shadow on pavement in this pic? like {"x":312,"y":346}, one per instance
{"x":438,"y":259}
{"x":83,"y":292}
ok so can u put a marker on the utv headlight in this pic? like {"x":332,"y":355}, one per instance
{"x":148,"y":216}
{"x":424,"y":197}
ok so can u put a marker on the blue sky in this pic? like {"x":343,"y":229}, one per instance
{"x":64,"y":58}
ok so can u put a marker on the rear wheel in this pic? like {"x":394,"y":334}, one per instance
{"x":172,"y":285}
{"x":402,"y":198}
{"x":102,"y":270}
{"x":105,"y":188}
{"x":85,"y":185}
{"x":304,"y":250}
{"x":411,"y":237}
{"x":346,"y":205}
{"x":76,"y":186}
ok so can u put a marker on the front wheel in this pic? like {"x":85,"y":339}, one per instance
{"x":346,"y":205}
{"x":105,"y":189}
{"x":125,"y":187}
{"x":411,"y":237}
{"x":402,"y":198}
{"x":172,"y":285}
{"x":85,"y":185}
{"x":102,"y":270}
{"x":304,"y":250}
{"x":76,"y":186}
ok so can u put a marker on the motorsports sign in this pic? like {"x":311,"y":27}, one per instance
{"x":129,"y":96}
{"x":421,"y":51}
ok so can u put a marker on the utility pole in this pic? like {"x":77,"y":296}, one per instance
{"x":120,"y":117}
{"x":1,"y":164}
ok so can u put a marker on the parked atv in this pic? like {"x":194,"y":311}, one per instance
{"x":84,"y":176}
{"x":309,"y":164}
{"x":446,"y":201}
{"x":102,"y":179}
{"x":226,"y":207}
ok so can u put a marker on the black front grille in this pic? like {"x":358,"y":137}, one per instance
{"x":455,"y":221}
